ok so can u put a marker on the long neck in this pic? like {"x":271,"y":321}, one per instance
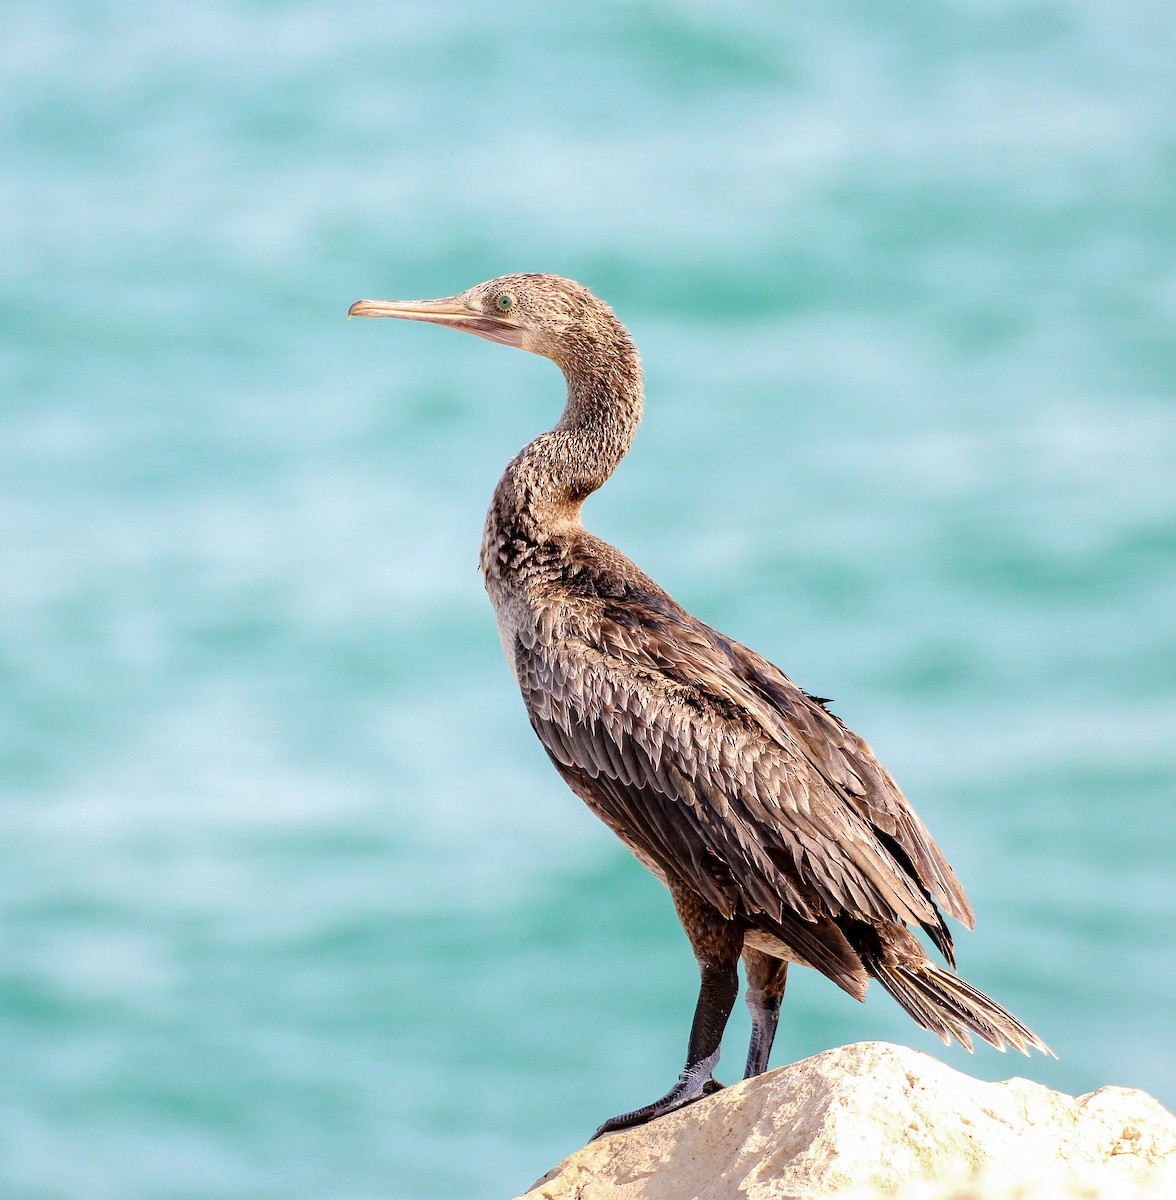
{"x":548,"y":480}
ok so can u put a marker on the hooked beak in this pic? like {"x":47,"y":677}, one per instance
{"x":452,"y":312}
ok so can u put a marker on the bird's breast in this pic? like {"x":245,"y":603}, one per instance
{"x":519,"y":566}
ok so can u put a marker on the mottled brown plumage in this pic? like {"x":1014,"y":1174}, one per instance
{"x":779,"y":835}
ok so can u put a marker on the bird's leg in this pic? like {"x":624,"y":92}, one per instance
{"x":766,"y":977}
{"x":716,"y":943}
{"x":716,"y":998}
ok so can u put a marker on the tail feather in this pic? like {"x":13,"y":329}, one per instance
{"x":950,"y":1007}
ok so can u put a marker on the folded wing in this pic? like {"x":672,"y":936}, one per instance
{"x":722,"y":775}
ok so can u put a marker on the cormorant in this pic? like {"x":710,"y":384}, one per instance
{"x":778,"y":834}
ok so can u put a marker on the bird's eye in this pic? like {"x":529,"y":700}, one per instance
{"x":505,"y":302}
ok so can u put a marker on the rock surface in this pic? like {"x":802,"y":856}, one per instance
{"x":873,"y":1120}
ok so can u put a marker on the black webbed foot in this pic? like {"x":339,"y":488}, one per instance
{"x":692,"y":1085}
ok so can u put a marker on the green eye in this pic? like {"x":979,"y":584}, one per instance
{"x":505,"y":302}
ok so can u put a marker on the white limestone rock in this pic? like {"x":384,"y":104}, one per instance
{"x":872,"y":1120}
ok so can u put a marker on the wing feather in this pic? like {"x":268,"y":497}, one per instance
{"x":848,"y":764}
{"x":694,"y":754}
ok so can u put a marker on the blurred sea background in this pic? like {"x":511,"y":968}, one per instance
{"x":292,"y":903}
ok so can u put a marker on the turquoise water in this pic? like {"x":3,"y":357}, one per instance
{"x":293,"y":905}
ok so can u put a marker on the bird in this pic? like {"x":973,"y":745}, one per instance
{"x":780,"y":837}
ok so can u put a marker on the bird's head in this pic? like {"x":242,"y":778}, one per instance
{"x":545,"y":314}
